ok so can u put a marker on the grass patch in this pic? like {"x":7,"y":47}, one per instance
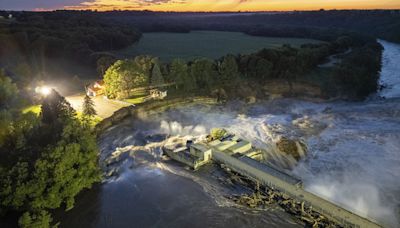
{"x":36,"y":109}
{"x":135,"y":101}
{"x":138,"y":93}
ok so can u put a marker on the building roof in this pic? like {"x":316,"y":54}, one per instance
{"x":240,"y":147}
{"x":100,"y":82}
{"x":200,"y":147}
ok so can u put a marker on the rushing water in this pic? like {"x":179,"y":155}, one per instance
{"x":353,"y":160}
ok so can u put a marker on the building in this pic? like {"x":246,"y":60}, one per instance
{"x":192,"y":155}
{"x":156,"y":94}
{"x":96,"y":88}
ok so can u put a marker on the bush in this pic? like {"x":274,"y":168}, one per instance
{"x":218,"y":133}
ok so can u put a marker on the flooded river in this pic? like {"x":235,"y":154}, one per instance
{"x":353,"y":160}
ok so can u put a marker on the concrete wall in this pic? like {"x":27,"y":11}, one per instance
{"x":328,"y":209}
{"x":147,"y":108}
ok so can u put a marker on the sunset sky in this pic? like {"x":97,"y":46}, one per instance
{"x":198,"y":5}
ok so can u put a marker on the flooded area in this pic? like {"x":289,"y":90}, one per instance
{"x":353,"y":160}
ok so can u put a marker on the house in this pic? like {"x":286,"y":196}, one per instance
{"x":96,"y":88}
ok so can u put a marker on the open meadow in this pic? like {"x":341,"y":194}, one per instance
{"x":208,"y":44}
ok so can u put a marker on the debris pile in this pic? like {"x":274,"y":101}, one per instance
{"x":263,"y":198}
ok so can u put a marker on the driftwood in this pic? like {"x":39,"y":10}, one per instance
{"x":259,"y":199}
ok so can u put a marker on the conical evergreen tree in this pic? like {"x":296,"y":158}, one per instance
{"x":56,"y":108}
{"x":157,"y":78}
{"x":88,"y":107}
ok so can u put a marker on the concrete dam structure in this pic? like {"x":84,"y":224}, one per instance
{"x":240,"y":156}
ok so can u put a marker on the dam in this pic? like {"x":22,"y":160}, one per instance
{"x":240,"y":156}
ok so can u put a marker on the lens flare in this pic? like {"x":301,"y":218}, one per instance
{"x":43,"y":90}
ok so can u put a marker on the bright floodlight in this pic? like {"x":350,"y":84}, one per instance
{"x":44,"y":90}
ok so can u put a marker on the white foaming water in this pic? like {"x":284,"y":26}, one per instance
{"x":390,"y":75}
{"x":174,"y":128}
{"x":354,"y":148}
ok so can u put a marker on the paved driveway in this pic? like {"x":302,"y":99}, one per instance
{"x":104,"y":107}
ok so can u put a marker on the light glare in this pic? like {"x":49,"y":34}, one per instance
{"x":44,"y":90}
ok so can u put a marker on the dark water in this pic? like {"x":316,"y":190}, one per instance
{"x":147,"y":196}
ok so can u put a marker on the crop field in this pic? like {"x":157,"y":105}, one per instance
{"x":207,"y":44}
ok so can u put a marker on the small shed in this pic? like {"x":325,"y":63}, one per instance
{"x":96,"y":88}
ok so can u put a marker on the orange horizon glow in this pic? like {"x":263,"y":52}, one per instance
{"x":233,"y":5}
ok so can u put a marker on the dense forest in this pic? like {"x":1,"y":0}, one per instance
{"x":30,"y":42}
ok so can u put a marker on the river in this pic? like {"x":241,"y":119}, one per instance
{"x":353,"y":160}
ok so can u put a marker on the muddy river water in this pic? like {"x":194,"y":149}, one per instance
{"x":353,"y":160}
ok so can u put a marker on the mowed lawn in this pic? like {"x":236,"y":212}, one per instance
{"x":208,"y":44}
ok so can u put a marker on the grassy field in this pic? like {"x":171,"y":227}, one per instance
{"x":209,"y":44}
{"x":135,"y":101}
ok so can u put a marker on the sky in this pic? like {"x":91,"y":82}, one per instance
{"x":198,"y":5}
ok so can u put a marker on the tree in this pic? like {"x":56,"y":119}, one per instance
{"x":41,"y":219}
{"x":229,"y":69}
{"x":8,"y":91}
{"x":88,"y":107}
{"x":156,"y":76}
{"x":53,"y":179}
{"x":263,"y":69}
{"x":179,"y":73}
{"x":125,"y":75}
{"x":205,"y":73}
{"x":103,"y":63}
{"x":56,"y":108}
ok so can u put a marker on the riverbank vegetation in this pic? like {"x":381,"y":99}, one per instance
{"x":46,"y":159}
{"x":253,"y":75}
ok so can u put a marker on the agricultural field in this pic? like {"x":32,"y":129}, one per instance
{"x":208,"y":44}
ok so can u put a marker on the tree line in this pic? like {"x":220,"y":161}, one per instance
{"x":355,"y":77}
{"x":324,"y":25}
{"x":33,"y":42}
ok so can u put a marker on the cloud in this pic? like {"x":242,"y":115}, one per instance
{"x":36,"y":4}
{"x":122,"y":4}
